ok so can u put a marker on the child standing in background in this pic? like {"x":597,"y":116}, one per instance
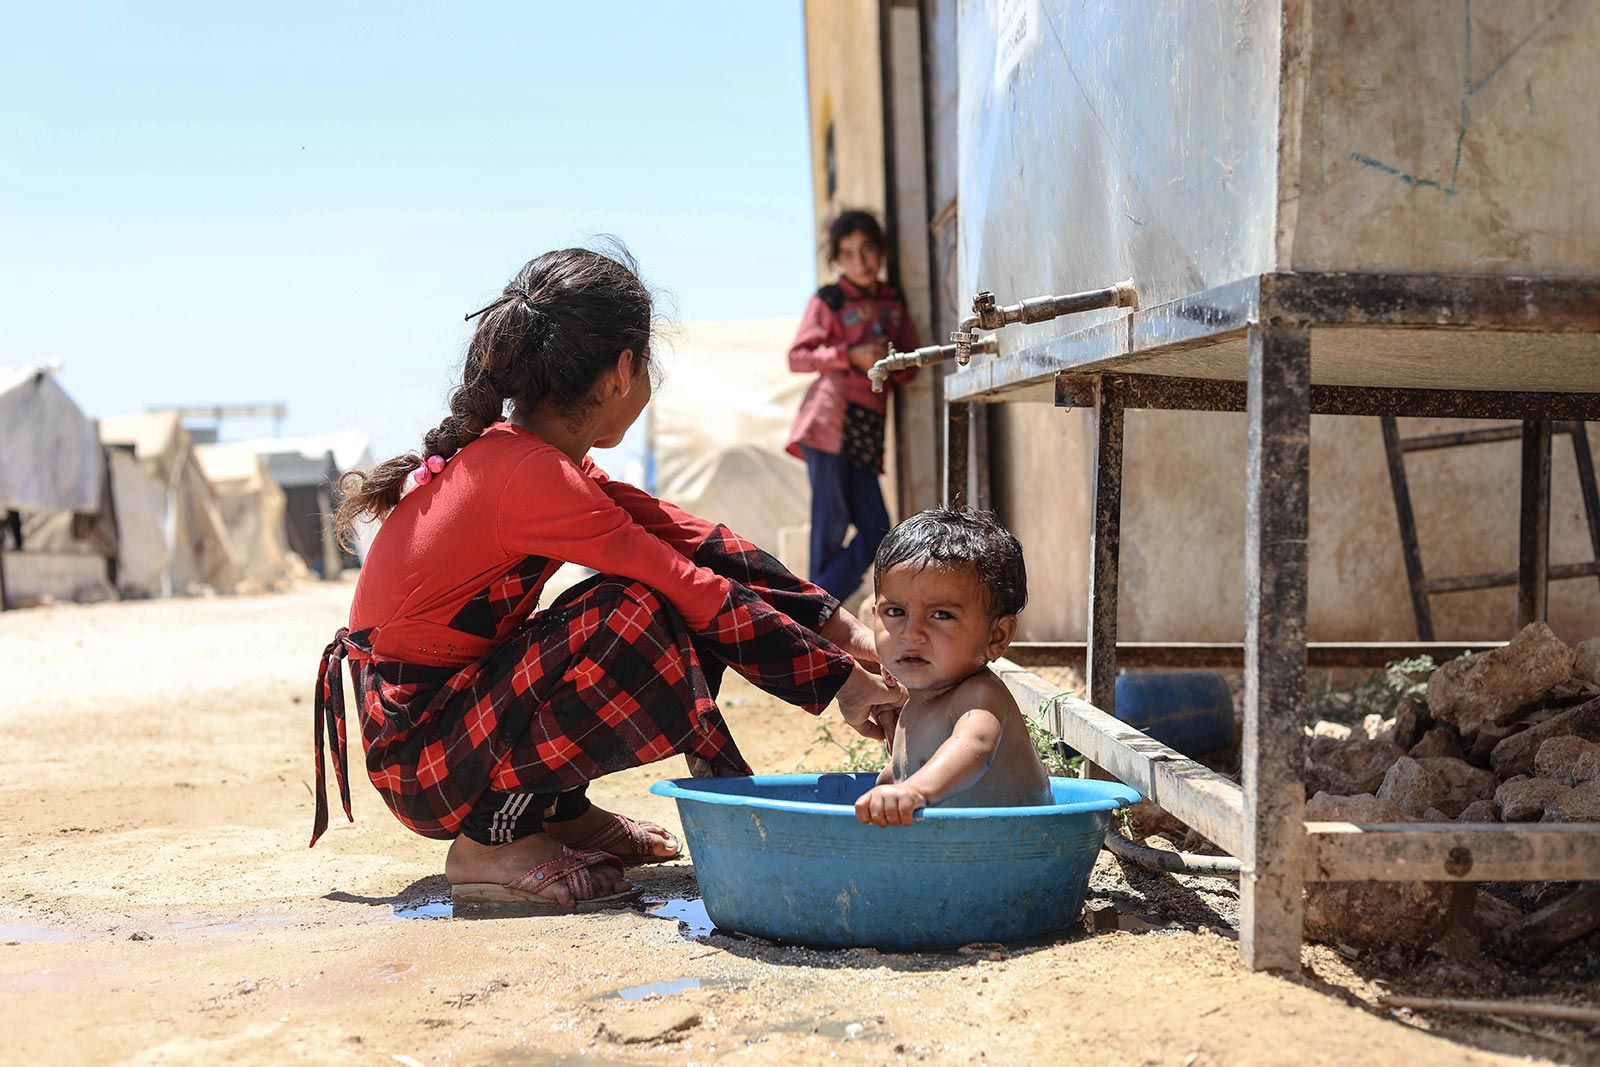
{"x":847,"y":328}
{"x":950,"y":583}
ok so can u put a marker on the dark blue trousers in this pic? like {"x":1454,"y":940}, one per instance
{"x":843,"y":496}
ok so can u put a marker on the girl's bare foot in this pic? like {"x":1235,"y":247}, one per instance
{"x":468,"y":861}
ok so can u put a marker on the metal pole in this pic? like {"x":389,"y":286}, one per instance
{"x":1276,"y":514}
{"x":1105,"y":543}
{"x":979,"y":493}
{"x":1586,"y":484}
{"x":1409,"y":548}
{"x":1533,"y":556}
{"x":956,"y":440}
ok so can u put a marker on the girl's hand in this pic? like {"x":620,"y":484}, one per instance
{"x":864,"y":355}
{"x":848,"y":632}
{"x":870,"y":704}
{"x":890,"y":805}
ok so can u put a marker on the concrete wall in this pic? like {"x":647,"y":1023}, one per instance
{"x":844,"y":90}
{"x":916,"y":411}
{"x":849,"y":142}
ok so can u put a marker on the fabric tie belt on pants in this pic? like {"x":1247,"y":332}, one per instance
{"x":327,"y":710}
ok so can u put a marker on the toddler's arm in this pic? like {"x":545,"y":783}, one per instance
{"x":956,"y":765}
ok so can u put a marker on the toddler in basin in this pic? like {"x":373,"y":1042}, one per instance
{"x":950,"y":582}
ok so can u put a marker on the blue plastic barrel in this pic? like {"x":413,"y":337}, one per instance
{"x":1191,"y":711}
{"x":784,"y":857}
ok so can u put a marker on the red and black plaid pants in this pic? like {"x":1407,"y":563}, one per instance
{"x":608,"y":677}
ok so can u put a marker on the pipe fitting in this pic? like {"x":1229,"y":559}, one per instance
{"x":988,"y":315}
{"x":879,"y":372}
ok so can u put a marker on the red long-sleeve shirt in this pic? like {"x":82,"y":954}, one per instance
{"x":822,"y":345}
{"x":506,"y":496}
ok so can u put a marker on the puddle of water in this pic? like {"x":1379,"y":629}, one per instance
{"x":665,"y":989}
{"x":425,"y":909}
{"x":691,"y":914}
{"x":35,"y":932}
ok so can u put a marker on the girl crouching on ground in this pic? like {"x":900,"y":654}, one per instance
{"x":483,"y":721}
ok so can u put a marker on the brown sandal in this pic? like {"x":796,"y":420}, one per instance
{"x":629,"y":840}
{"x":573,"y":864}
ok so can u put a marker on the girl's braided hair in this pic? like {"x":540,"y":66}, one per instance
{"x":550,"y":335}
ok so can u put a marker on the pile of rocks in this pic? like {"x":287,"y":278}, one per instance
{"x":1509,"y":735}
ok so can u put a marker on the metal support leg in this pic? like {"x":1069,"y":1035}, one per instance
{"x":1533,"y":557}
{"x":1408,"y":527}
{"x":1278,"y":481}
{"x":1586,"y":485}
{"x":957,"y":437}
{"x":978,"y":487}
{"x":1105,"y":541}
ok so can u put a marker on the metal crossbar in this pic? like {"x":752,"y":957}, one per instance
{"x":1535,"y":436}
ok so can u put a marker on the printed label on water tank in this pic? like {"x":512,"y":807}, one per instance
{"x":1017,"y":27}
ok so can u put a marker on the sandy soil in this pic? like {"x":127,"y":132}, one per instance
{"x":158,"y":905}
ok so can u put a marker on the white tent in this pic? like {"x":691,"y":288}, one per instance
{"x":52,"y":480}
{"x":718,"y":428}
{"x":252,"y":507}
{"x":174,"y":538}
{"x":308,"y":468}
{"x":51,"y":457}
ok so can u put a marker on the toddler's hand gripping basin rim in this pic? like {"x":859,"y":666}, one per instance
{"x":783,"y":857}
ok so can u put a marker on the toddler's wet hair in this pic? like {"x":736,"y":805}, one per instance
{"x":961,"y":536}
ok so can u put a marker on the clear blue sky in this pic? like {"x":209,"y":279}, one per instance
{"x":214,"y":203}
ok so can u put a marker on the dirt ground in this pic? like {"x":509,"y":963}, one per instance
{"x":158,"y":905}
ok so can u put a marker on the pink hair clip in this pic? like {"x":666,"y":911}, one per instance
{"x":436,"y":464}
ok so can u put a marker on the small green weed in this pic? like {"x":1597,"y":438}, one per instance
{"x":1375,"y":695}
{"x":855,"y":755}
{"x":1049,"y":748}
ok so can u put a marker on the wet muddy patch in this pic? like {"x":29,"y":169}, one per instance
{"x":18,"y":933}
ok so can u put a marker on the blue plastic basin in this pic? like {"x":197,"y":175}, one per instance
{"x":783,"y":857}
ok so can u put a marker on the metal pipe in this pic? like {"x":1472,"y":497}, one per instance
{"x":1159,"y":859}
{"x":987,"y":314}
{"x":922,"y":357}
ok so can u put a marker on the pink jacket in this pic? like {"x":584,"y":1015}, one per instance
{"x":839,"y":316}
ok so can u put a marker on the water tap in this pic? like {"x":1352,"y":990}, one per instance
{"x":988,"y":315}
{"x":879,"y":372}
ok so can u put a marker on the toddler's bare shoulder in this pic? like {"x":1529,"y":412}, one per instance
{"x":986,"y":690}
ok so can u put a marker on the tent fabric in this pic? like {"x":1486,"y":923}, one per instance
{"x":308,"y":467}
{"x":199,"y":554}
{"x":66,"y":556}
{"x":350,"y":450}
{"x":252,"y":505}
{"x":719,"y":426}
{"x":50,"y":457}
{"x":140,"y":498}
